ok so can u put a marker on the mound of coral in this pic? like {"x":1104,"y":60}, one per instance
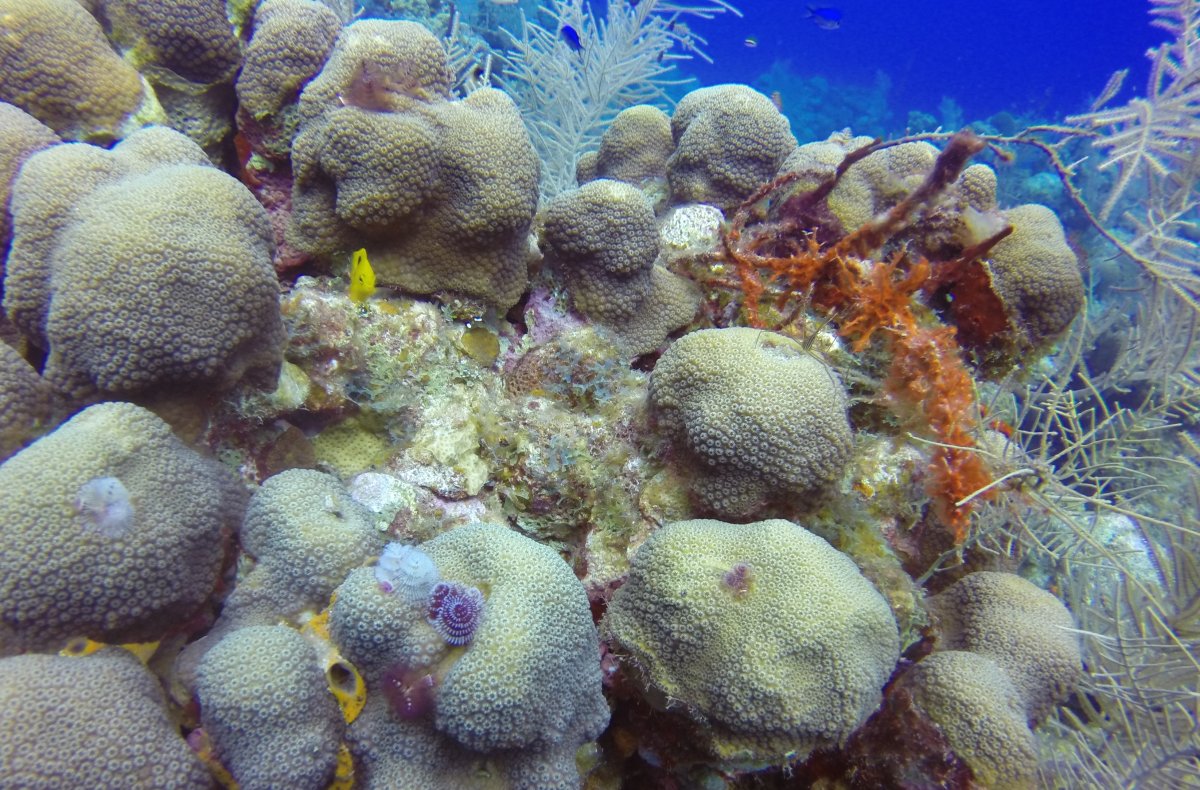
{"x":142,"y":267}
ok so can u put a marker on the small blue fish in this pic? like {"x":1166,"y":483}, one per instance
{"x":751,"y":42}
{"x":825,"y":18}
{"x":571,"y":36}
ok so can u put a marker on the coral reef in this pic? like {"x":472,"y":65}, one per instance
{"x":439,"y":429}
{"x":306,"y":533}
{"x":1027,"y":631}
{"x":1019,"y":288}
{"x":806,"y":251}
{"x":535,"y":650}
{"x":527,"y":676}
{"x":21,"y":135}
{"x":978,"y":708}
{"x":728,"y":140}
{"x":290,"y":43}
{"x":1036,"y":275}
{"x":26,"y":402}
{"x":191,"y":39}
{"x":189,"y":52}
{"x":634,"y":148}
{"x":1006,"y":653}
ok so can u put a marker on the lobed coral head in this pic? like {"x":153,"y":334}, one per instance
{"x":455,"y":610}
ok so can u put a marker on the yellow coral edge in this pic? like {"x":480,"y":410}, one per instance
{"x":82,"y":646}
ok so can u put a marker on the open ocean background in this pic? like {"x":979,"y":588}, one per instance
{"x":1038,"y":61}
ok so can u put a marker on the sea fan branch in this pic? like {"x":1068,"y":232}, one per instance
{"x":567,"y":95}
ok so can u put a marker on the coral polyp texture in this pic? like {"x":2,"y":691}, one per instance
{"x":301,"y":536}
{"x":976,"y":706}
{"x":531,"y":676}
{"x":729,"y":139}
{"x":376,"y":630}
{"x":879,"y":181}
{"x":1036,"y":275}
{"x":603,"y":239}
{"x":1007,"y":652}
{"x":1028,"y":632}
{"x":93,"y":721}
{"x":80,"y":557}
{"x":266,"y":709}
{"x":756,"y":418}
{"x":307,"y":534}
{"x":189,"y":53}
{"x":26,"y":402}
{"x":153,"y":270}
{"x":634,"y":149}
{"x":21,"y":135}
{"x":290,"y":42}
{"x":191,"y":40}
{"x":763,"y":635}
{"x":394,"y":473}
{"x":56,"y":65}
{"x":442,"y":192}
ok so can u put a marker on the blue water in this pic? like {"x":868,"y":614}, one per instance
{"x":1034,"y":58}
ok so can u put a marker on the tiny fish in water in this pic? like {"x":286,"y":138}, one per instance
{"x":571,"y":36}
{"x":362,"y":277}
{"x":825,"y":18}
{"x":777,"y":100}
{"x":751,"y":42}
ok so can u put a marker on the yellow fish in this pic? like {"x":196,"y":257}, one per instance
{"x":362,"y":277}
